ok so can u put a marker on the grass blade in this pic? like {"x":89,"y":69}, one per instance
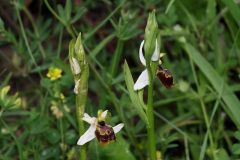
{"x":234,"y":9}
{"x":227,"y":96}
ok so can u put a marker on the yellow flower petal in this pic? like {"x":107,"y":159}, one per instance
{"x":54,"y":73}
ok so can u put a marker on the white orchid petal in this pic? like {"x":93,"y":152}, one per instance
{"x":86,"y":115}
{"x":104,"y":114}
{"x":142,"y":81}
{"x":156,"y":53}
{"x":118,"y":127}
{"x":75,"y":66}
{"x":76,"y":86}
{"x":141,"y":56}
{"x":88,"y":119}
{"x":87,"y":136}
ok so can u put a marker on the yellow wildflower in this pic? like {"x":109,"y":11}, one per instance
{"x":54,"y":73}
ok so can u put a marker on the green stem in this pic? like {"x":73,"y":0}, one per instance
{"x":80,"y":112}
{"x":26,"y":40}
{"x":208,"y":128}
{"x":67,"y":25}
{"x":54,"y":13}
{"x":150,"y":116}
{"x":60,"y":43}
{"x":71,"y":31}
{"x":116,"y":57}
{"x":81,"y":99}
{"x":36,"y":32}
{"x":81,"y":87}
{"x":62,"y":136}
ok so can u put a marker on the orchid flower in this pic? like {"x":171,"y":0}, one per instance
{"x":104,"y":133}
{"x":143,"y":79}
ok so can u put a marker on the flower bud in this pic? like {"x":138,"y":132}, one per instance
{"x":75,"y":67}
{"x":79,"y":51}
{"x":79,"y":65}
{"x":151,"y":33}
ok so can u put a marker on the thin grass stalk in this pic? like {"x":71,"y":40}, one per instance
{"x":203,"y":107}
{"x":116,"y":57}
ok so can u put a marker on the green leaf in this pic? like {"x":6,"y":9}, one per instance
{"x":211,"y":9}
{"x":71,"y":137}
{"x":61,"y":13}
{"x":237,"y":135}
{"x":236,"y":149}
{"x":68,"y":10}
{"x":45,"y":82}
{"x":169,"y":6}
{"x":222,"y":155}
{"x":215,"y":79}
{"x":1,"y":25}
{"x":78,"y":14}
{"x":234,"y":9}
{"x":53,"y":136}
{"x":39,"y":124}
{"x":101,"y":45}
{"x":50,"y":153}
{"x":133,"y":95}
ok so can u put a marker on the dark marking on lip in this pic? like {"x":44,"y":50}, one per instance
{"x":104,"y":133}
{"x":165,"y":76}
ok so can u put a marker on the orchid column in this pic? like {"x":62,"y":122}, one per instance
{"x":80,"y":70}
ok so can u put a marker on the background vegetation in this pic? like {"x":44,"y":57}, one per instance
{"x":198,"y":118}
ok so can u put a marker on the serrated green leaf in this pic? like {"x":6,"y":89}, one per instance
{"x":226,"y":93}
{"x":133,"y":95}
